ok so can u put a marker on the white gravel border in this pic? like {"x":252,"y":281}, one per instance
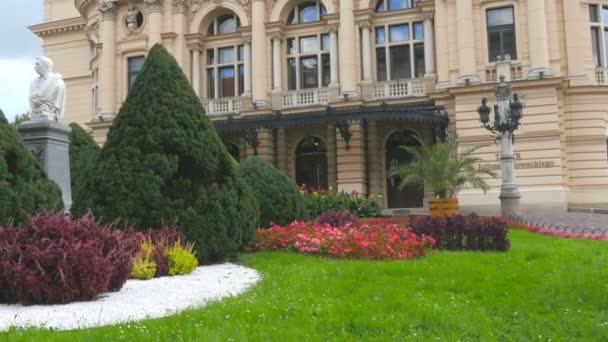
{"x":137,"y":300}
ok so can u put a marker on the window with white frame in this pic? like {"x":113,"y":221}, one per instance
{"x":223,"y":24}
{"x":308,"y":64}
{"x":501,"y":34}
{"x":598,"y":17}
{"x":394,"y":5}
{"x":225,"y":72}
{"x":307,"y":12}
{"x":399,"y":51}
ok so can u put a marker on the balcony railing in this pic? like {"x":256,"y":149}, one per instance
{"x":601,"y":75}
{"x":396,"y":89}
{"x":306,"y":97}
{"x":225,"y":105}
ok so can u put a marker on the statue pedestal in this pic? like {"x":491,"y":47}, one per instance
{"x":49,"y":141}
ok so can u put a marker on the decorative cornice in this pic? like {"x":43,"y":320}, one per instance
{"x":154,"y":5}
{"x":107,"y":9}
{"x":60,"y":26}
{"x":179,"y":6}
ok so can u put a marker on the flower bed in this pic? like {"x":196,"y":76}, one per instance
{"x":464,"y":232}
{"x":369,"y":242}
{"x":558,"y":233}
{"x":320,"y":201}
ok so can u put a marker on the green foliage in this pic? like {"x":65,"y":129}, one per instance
{"x":24,"y":187}
{"x":21,"y":118}
{"x":83,"y":152}
{"x":164,"y":163}
{"x":144,"y":267}
{"x":279,"y":197}
{"x":441,"y":167}
{"x":318,"y":202}
{"x":182,"y":260}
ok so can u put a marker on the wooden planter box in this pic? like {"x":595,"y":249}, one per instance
{"x":443,"y":206}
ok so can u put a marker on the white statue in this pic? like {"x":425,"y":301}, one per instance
{"x":132,"y":17}
{"x":47,"y":92}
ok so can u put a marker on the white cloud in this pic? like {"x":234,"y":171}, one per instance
{"x":15,"y":78}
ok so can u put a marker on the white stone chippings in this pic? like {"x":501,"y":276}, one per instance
{"x":137,"y":300}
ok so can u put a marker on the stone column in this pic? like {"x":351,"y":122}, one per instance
{"x":258,"y":58}
{"x":155,"y":21}
{"x":49,"y":142}
{"x":576,"y":31}
{"x":537,"y":37}
{"x":429,"y":46}
{"x":348,"y":53}
{"x":266,"y":147}
{"x":375,"y":170}
{"x":282,"y":150}
{"x":247,"y":78}
{"x":276,"y":63}
{"x":351,"y":163}
{"x":366,"y":52}
{"x":331,"y":157}
{"x":196,"y":71}
{"x":107,"y":67}
{"x":179,"y":22}
{"x":466,"y":42}
{"x":442,"y":46}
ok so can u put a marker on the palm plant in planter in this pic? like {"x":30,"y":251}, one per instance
{"x":440,"y":167}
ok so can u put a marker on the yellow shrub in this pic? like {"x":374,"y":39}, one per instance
{"x":182,"y":260}
{"x":144,"y":266}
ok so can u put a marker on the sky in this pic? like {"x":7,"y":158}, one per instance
{"x":18,"y":48}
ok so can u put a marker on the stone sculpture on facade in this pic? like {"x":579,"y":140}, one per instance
{"x":132,"y":17}
{"x":47,"y":92}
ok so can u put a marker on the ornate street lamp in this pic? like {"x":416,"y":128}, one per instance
{"x":507,"y":116}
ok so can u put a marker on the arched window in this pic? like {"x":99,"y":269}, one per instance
{"x":307,"y":12}
{"x":311,"y":163}
{"x":394,"y":5}
{"x":234,"y":151}
{"x":223,"y":24}
{"x":410,"y":196}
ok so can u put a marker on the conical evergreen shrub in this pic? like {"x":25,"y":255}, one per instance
{"x":24,"y":187}
{"x":279,"y":197}
{"x":83,"y":152}
{"x":164,"y":163}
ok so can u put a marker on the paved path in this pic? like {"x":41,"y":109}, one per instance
{"x":568,"y":221}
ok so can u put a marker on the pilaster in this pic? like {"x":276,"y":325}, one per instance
{"x":351,"y":163}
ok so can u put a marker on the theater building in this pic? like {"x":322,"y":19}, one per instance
{"x":327,"y":90}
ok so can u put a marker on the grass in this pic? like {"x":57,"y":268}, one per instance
{"x":544,"y":289}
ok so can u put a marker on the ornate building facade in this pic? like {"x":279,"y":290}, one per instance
{"x":327,"y":90}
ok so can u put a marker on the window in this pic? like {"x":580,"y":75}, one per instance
{"x":308,"y":64}
{"x":225,"y":72}
{"x":134,"y":65}
{"x":598,"y":18}
{"x":394,"y":5}
{"x":307,"y":12}
{"x":224,"y":24}
{"x":501,"y":34}
{"x":400,"y":51}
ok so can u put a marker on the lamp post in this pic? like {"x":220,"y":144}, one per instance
{"x":507,"y":114}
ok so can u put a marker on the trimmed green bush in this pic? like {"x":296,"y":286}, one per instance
{"x":83,"y":152}
{"x":163,"y":163}
{"x":279,"y":197}
{"x":24,"y":187}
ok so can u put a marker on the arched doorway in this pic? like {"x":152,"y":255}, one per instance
{"x":411,"y":196}
{"x":311,"y":163}
{"x":234,"y":151}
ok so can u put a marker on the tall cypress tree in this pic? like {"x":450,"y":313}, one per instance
{"x":163,"y":162}
{"x":24,"y":187}
{"x":83,"y":152}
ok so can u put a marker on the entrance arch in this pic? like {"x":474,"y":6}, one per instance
{"x":410,"y":196}
{"x":311,"y":163}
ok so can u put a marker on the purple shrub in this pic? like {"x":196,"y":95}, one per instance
{"x":57,"y":259}
{"x":464,"y":232}
{"x":339,"y":219}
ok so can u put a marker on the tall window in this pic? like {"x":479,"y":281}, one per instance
{"x":307,"y":12}
{"x":598,"y":16}
{"x":501,"y":34}
{"x":134,"y":65}
{"x":399,"y":51}
{"x":224,"y":24}
{"x":308,"y":64}
{"x":393,"y":5}
{"x":225,"y":72}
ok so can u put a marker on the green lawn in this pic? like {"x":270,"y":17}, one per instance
{"x":543,"y":289}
